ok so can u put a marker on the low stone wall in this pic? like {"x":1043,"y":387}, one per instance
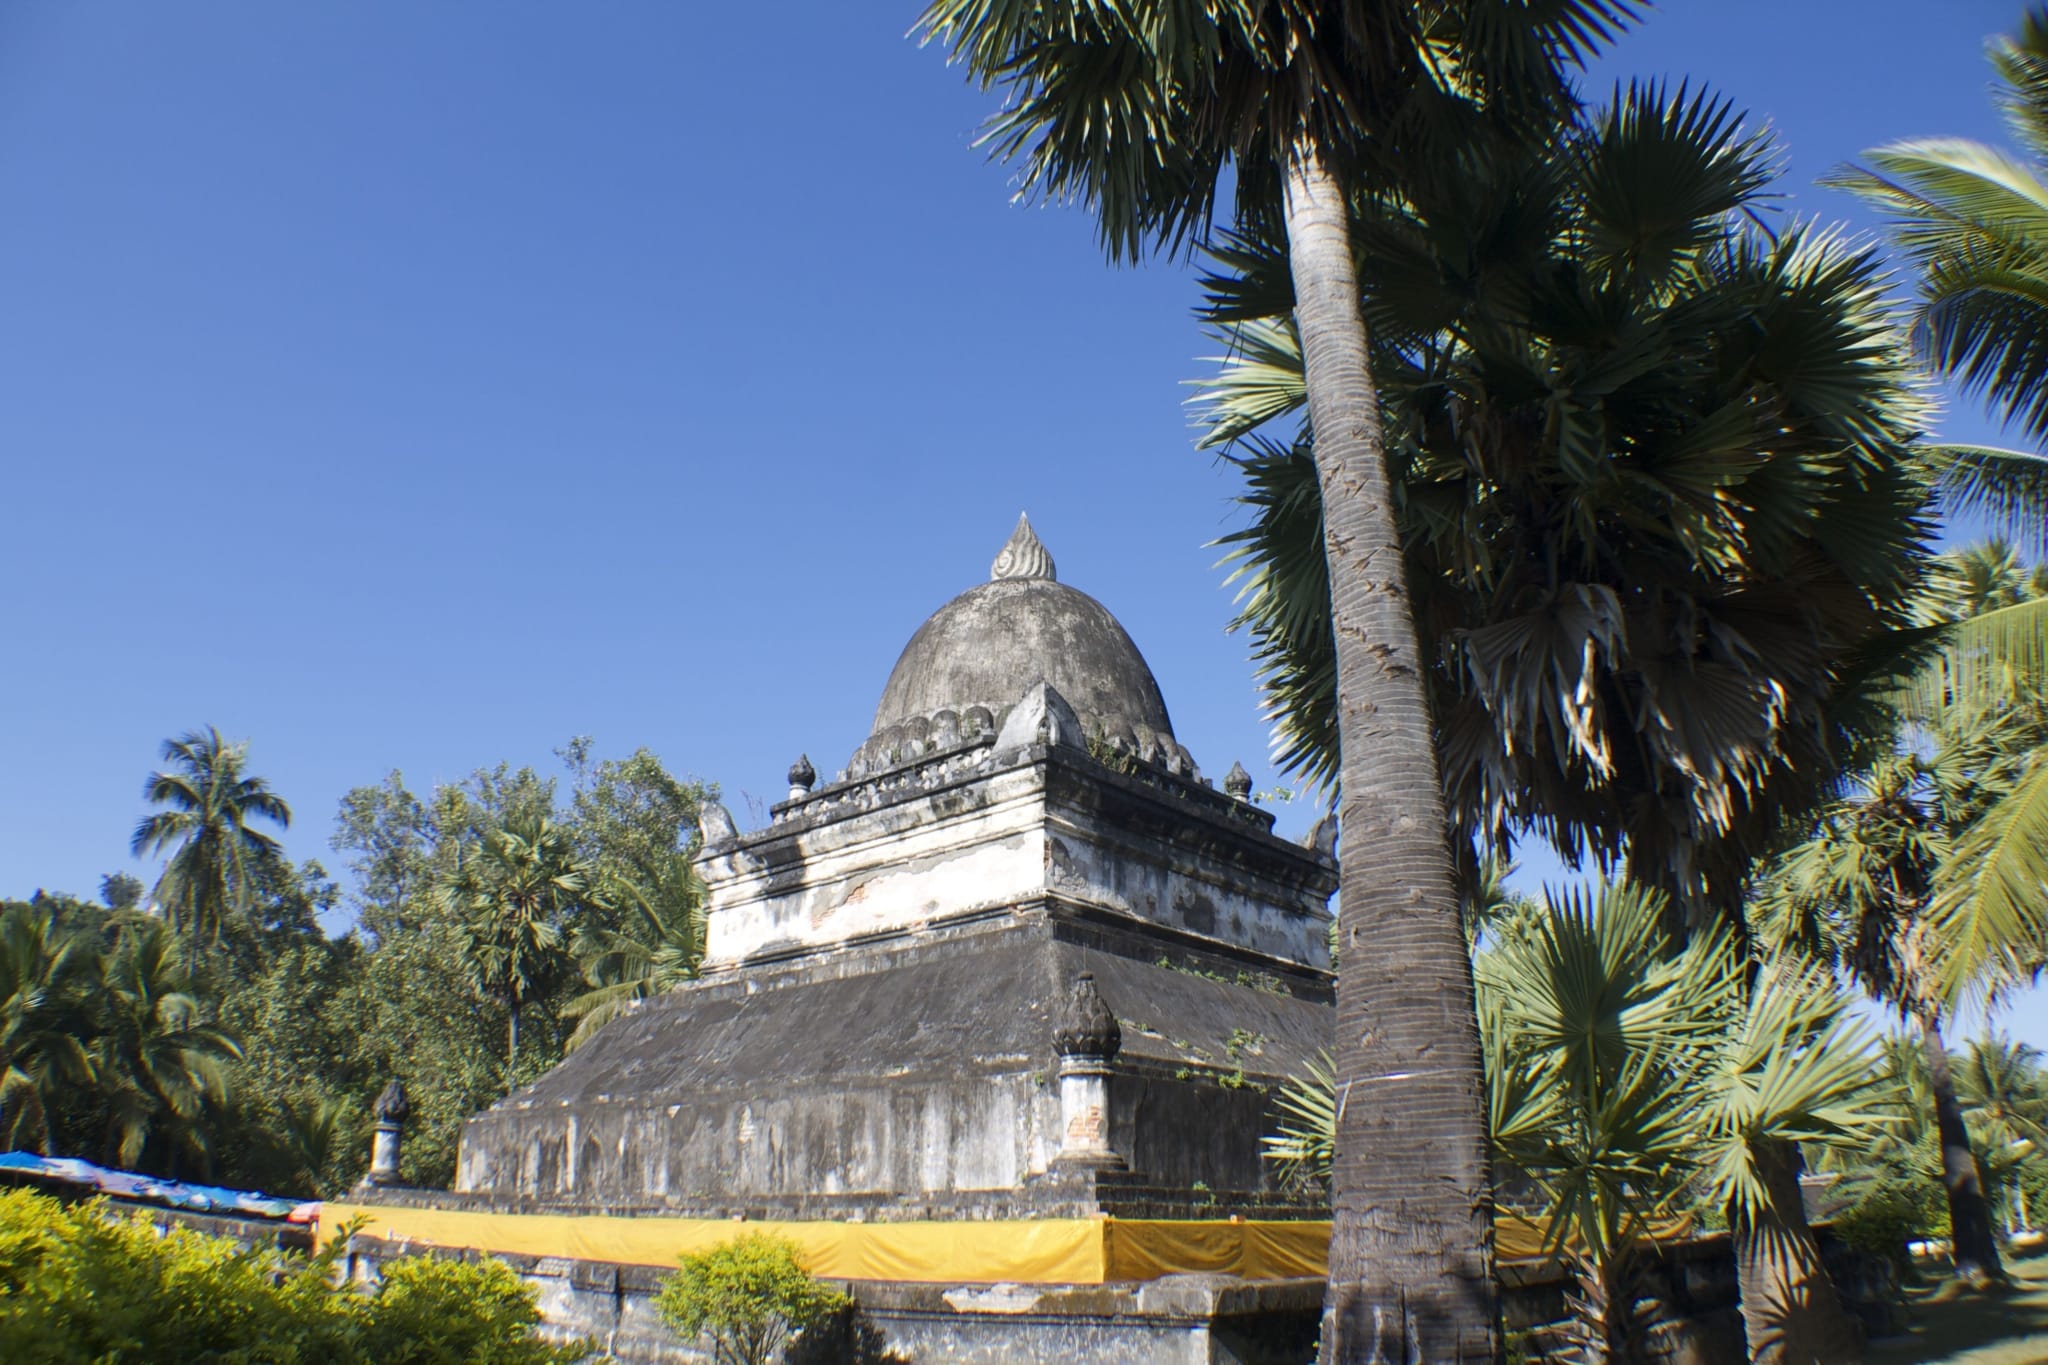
{"x":1175,"y":1320}
{"x":1689,"y":1292}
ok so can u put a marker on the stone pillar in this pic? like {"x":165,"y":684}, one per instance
{"x":392,"y":1110}
{"x":1086,"y":1036}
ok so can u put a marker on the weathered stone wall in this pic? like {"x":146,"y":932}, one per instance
{"x":894,"y":1078}
{"x":972,"y":828}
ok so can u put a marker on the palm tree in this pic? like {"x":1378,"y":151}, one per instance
{"x":1796,"y":1071}
{"x":1974,"y":220}
{"x":1622,"y":1071}
{"x":1645,"y":555}
{"x":314,"y":1133}
{"x":2005,"y":1099}
{"x":1596,"y":1038}
{"x":658,"y":948}
{"x":1658,"y":485}
{"x":219,"y":859}
{"x":42,"y":971}
{"x":1857,"y":893}
{"x":1138,"y":110}
{"x":160,"y":1065}
{"x":514,"y":895}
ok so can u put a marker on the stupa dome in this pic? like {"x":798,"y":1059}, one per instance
{"x":971,"y":661}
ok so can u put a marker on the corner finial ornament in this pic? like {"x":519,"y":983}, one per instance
{"x":1024,"y":556}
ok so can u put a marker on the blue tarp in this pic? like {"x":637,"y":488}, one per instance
{"x":177,"y":1194}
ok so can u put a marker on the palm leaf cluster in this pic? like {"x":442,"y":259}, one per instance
{"x":1656,"y":481}
{"x":1974,"y":220}
{"x":515,"y":896}
{"x":658,"y":945}
{"x":1866,"y":888}
{"x":1143,"y":112}
{"x":2002,"y":1095}
{"x":2005,"y":1096}
{"x":107,"y":1021}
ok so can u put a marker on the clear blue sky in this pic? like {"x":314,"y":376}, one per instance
{"x":416,"y":386}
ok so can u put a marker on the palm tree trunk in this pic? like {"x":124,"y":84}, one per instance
{"x":1791,"y":1313}
{"x":1411,"y":1247}
{"x":1603,"y":1307}
{"x":511,"y":1044}
{"x":1971,"y":1234}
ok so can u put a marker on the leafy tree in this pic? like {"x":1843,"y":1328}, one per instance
{"x":750,"y":1296}
{"x":43,"y":971}
{"x":1597,"y":1039}
{"x":408,"y":1006}
{"x":218,"y":859}
{"x":120,"y":891}
{"x":631,"y":816}
{"x":1138,"y":110}
{"x":515,"y":897}
{"x":1795,"y":1071}
{"x":390,"y":840}
{"x":1974,"y":221}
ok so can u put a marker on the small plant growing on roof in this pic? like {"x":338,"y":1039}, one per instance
{"x":750,"y":1296}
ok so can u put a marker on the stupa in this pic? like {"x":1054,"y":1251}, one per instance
{"x":1019,"y":958}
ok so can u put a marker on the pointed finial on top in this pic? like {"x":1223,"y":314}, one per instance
{"x":1237,"y":783}
{"x":1023,"y":556}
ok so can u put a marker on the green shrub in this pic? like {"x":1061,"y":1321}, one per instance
{"x":749,"y":1295}
{"x":81,"y":1286}
{"x":1888,"y":1211}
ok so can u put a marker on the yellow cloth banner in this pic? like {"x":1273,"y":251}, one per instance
{"x":1051,"y":1250}
{"x":1023,"y":1251}
{"x":1516,"y":1238}
{"x":1026,"y":1251}
{"x":1146,"y":1248}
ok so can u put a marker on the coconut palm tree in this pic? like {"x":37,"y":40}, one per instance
{"x":1974,"y":221}
{"x":658,"y":947}
{"x":1138,"y":111}
{"x":515,"y":895}
{"x":42,"y":973}
{"x":161,"y":1067}
{"x":218,"y":859}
